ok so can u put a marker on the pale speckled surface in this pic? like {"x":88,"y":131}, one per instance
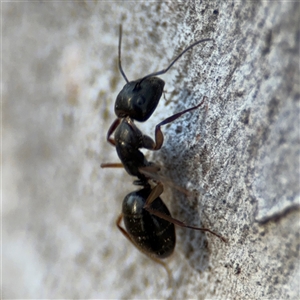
{"x":240,"y":154}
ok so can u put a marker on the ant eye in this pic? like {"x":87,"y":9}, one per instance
{"x":140,"y":101}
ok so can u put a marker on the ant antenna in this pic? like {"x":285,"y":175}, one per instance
{"x":120,"y":65}
{"x":173,"y":62}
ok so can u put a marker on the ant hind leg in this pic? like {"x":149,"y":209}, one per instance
{"x":155,"y":193}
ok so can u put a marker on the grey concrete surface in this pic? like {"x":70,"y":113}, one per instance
{"x":238,"y":155}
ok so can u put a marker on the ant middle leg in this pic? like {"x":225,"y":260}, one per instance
{"x":112,"y":165}
{"x":151,"y":172}
{"x":155,"y":193}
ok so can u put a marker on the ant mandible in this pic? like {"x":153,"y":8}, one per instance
{"x":148,"y":222}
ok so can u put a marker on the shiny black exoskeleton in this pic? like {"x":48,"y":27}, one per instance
{"x":150,"y":232}
{"x":149,"y":224}
{"x":137,"y":101}
{"x":129,"y":139}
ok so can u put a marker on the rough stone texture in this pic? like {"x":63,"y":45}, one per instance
{"x":238,"y":154}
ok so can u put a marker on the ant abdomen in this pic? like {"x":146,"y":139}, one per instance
{"x":151,"y":234}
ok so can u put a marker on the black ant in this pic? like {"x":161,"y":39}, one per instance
{"x":149,"y":224}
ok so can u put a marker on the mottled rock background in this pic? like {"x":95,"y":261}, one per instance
{"x":239,"y":153}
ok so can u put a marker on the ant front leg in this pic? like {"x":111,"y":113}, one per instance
{"x":159,"y":138}
{"x":111,"y":130}
{"x":155,"y":193}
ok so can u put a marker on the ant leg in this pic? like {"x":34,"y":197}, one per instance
{"x":112,"y":165}
{"x":151,"y":172}
{"x":159,"y":138}
{"x":156,"y":192}
{"x":111,"y":129}
{"x":125,"y":233}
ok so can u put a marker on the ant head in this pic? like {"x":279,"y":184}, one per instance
{"x":138,"y":99}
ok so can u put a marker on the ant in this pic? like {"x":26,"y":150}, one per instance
{"x":148,"y":222}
